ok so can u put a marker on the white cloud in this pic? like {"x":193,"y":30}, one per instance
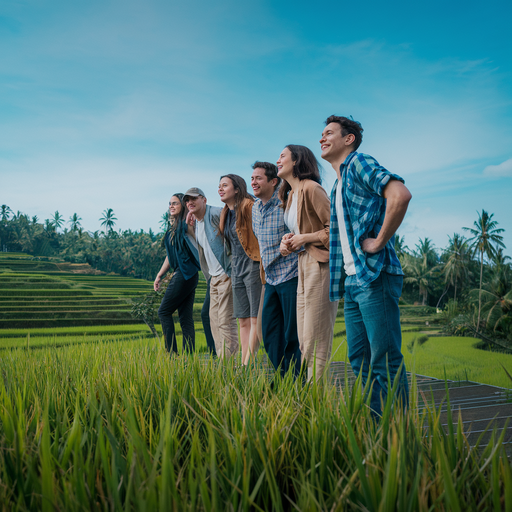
{"x":503,"y":169}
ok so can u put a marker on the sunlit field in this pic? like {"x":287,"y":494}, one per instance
{"x":120,"y":425}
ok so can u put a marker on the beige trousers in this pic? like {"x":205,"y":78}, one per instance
{"x":315,"y":314}
{"x":223,"y":325}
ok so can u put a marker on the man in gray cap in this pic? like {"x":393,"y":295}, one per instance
{"x":216,"y":266}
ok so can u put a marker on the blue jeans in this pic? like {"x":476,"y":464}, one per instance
{"x":374,"y":337}
{"x":279,"y":326}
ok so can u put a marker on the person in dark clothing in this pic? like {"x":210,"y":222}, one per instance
{"x":183,"y":259}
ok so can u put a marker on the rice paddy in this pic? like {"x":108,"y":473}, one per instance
{"x":100,"y":417}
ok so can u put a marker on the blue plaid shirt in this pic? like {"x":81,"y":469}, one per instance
{"x":364,"y":207}
{"x":269,"y":227}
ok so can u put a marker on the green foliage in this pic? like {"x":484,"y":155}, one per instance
{"x":124,"y":427}
{"x":485,"y":240}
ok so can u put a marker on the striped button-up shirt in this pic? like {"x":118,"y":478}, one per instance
{"x":269,"y":227}
{"x":364,"y":207}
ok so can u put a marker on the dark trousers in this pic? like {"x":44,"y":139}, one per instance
{"x":205,"y":317}
{"x":179,"y":296}
{"x":279,"y":325}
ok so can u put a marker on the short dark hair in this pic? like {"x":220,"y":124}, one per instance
{"x":270,"y":171}
{"x":348,"y":126}
{"x":305,"y":167}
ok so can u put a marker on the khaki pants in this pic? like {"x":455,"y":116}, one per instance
{"x":315,"y":314}
{"x":223,"y":325}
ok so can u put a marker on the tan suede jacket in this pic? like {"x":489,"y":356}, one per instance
{"x":244,"y":229}
{"x":313,"y":216}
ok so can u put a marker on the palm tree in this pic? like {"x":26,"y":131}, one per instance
{"x":49,"y":227}
{"x":499,"y":260}
{"x":108,"y":219}
{"x":497,"y":298}
{"x":400,"y":247}
{"x":486,"y":235}
{"x":74,"y":220}
{"x":456,"y":267}
{"x":5,"y":212}
{"x":420,"y":267}
{"x":57,"y":220}
{"x":164,"y":222}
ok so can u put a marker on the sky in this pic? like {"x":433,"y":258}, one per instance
{"x":120,"y":104}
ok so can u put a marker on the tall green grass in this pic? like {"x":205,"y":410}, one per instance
{"x":125,"y":427}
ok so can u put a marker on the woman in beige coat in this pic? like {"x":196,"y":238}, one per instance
{"x":307,"y":215}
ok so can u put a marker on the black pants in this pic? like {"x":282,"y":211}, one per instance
{"x":179,"y":296}
{"x":205,"y":317}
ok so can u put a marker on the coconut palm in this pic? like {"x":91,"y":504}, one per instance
{"x":57,"y":220}
{"x":456,"y":268}
{"x":74,"y":220}
{"x":486,"y":235}
{"x":164,"y":221}
{"x":5,"y":212}
{"x":49,"y":227}
{"x":108,"y":219}
{"x":499,"y":260}
{"x":496,"y":298}
{"x":420,"y":267}
{"x":400,"y":247}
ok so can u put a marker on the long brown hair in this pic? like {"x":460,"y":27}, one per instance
{"x":305,"y":167}
{"x":176,"y":221}
{"x":240,"y":195}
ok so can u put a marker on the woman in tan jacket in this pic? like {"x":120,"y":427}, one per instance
{"x":307,"y":215}
{"x":236,"y":227}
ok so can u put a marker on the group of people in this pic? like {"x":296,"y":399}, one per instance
{"x":280,"y":260}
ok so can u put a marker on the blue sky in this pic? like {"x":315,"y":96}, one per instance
{"x":120,"y":104}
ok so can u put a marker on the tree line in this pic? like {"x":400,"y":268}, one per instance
{"x":129,"y":253}
{"x":471,"y":278}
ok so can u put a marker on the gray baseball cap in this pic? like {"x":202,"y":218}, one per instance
{"x":193,"y":192}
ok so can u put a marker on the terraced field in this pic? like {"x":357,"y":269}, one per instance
{"x":38,"y":294}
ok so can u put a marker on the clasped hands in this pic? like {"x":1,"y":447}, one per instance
{"x":291,"y":243}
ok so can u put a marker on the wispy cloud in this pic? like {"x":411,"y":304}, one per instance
{"x":503,"y":169}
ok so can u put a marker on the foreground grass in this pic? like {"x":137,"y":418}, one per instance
{"x":124,"y":427}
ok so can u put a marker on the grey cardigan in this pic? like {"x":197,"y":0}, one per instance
{"x":216,"y":241}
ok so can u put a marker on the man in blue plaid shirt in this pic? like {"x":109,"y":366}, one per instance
{"x":279,"y":312}
{"x":368,"y":204}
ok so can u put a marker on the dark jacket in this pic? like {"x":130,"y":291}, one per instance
{"x":181,"y":252}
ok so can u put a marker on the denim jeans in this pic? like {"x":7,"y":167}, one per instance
{"x":374,"y":337}
{"x":205,"y":317}
{"x":179,"y":296}
{"x":279,"y":325}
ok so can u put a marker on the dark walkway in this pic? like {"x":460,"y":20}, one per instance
{"x":481,"y":407}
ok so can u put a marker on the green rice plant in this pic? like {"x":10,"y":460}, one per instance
{"x":123,"y":426}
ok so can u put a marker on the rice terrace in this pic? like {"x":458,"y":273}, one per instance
{"x":95,"y":415}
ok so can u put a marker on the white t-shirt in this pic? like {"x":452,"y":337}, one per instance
{"x":290,"y":216}
{"x":348,"y":261}
{"x":214,"y":267}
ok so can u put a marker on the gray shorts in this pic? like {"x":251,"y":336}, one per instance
{"x":247,"y":291}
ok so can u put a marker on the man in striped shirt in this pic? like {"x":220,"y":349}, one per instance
{"x":279,"y":314}
{"x":368,"y":204}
